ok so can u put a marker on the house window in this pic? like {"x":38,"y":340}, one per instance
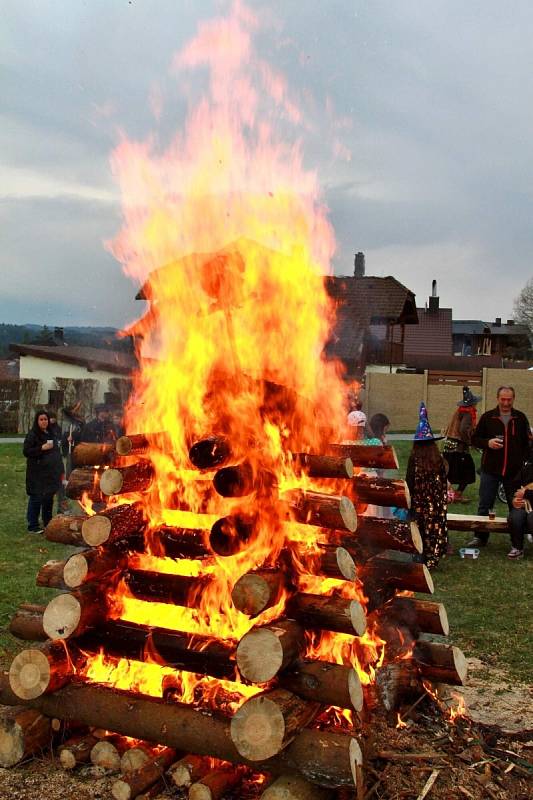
{"x":112,"y":399}
{"x":55,"y":398}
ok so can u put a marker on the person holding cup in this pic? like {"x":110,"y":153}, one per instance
{"x":43,"y":473}
{"x":503,"y":435}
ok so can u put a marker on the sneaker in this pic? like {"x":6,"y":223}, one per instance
{"x":476,"y":542}
{"x":515,"y":554}
{"x":35,"y":530}
{"x":529,"y":537}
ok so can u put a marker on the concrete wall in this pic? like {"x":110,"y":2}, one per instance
{"x":47,"y":371}
{"x":398,"y":396}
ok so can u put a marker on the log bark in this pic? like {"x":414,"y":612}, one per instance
{"x":139,"y":443}
{"x":331,"y":613}
{"x":229,"y":535}
{"x":326,"y":511}
{"x":419,"y":616}
{"x":34,"y":672}
{"x":76,"y":751}
{"x":131,"y":785}
{"x":182,"y":651}
{"x":23,"y":732}
{"x":242,"y":479}
{"x":72,"y":613}
{"x":322,"y":757}
{"x":367,"y":455}
{"x":215,"y":785}
{"x":27,"y":623}
{"x":376,"y":533}
{"x":404,"y":575}
{"x":327,"y":683}
{"x":180,"y":590}
{"x":135,"y":478}
{"x":65,"y":529}
{"x":318,"y":466}
{"x":291,"y":787}
{"x":333,"y":562}
{"x":84,"y":480}
{"x":92,"y":454}
{"x":112,"y":524}
{"x":394,"y":684}
{"x":265,"y":651}
{"x":379,"y":491}
{"x":91,"y":565}
{"x":473,"y":523}
{"x":265,"y":724}
{"x":210,"y":452}
{"x":256,"y":591}
{"x":442,"y":663}
{"x":51,"y":575}
{"x":188,"y":770}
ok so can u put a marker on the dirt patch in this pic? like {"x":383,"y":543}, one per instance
{"x":499,"y":701}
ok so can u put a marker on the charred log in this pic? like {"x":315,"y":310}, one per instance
{"x":330,"y":613}
{"x":326,"y":511}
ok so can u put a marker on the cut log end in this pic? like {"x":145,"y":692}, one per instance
{"x":460,"y":664}
{"x":29,"y":674}
{"x":62,"y":616}
{"x":356,"y":691}
{"x":259,"y":656}
{"x":105,"y":754}
{"x":121,"y":790}
{"x":346,"y":564}
{"x":358,"y":617}
{"x":417,"y":538}
{"x":96,"y":530}
{"x":254,"y":592}
{"x":428,"y":579}
{"x":75,"y":571}
{"x":134,"y":758}
{"x":123,"y":446}
{"x":111,"y":481}
{"x":356,"y":765}
{"x":348,"y":513}
{"x":258,"y":729}
{"x":67,"y":759}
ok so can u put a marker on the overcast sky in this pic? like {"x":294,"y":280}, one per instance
{"x":437,"y":99}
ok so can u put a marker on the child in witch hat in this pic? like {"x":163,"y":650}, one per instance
{"x":427,"y":482}
{"x":456,"y":451}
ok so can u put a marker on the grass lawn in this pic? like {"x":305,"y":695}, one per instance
{"x":489,"y":601}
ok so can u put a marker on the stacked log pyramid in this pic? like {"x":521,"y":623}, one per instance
{"x":302,"y":734}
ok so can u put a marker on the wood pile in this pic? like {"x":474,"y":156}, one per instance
{"x":287,"y":706}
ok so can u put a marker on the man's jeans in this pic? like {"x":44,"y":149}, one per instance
{"x":36,"y":503}
{"x":520,"y":523}
{"x":488,"y":489}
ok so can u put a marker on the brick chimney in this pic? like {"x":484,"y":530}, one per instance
{"x":434,"y":298}
{"x":498,"y":322}
{"x":359,"y":265}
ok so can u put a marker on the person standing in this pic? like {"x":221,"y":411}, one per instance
{"x":356,"y":421}
{"x":456,"y":450}
{"x":98,"y":429}
{"x":427,"y":482}
{"x":521,"y":517}
{"x":73,"y":425}
{"x":43,"y":475}
{"x":503,"y":435}
{"x":54,"y":431}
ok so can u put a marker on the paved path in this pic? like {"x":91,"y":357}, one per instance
{"x":12,"y":440}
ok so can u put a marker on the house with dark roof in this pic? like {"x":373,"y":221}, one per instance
{"x":60,"y":374}
{"x":473,"y":337}
{"x":373,"y":314}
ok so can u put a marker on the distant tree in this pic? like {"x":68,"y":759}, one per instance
{"x":523,"y":306}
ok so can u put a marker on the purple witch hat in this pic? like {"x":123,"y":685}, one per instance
{"x":423,"y":431}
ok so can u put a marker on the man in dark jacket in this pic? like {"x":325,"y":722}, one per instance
{"x":521,"y":517}
{"x":98,"y":429}
{"x":503,"y":435}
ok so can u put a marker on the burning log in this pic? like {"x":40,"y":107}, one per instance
{"x":334,"y":562}
{"x":135,"y":478}
{"x":367,"y":455}
{"x":322,"y":757}
{"x":329,"y":613}
{"x":27,"y":623}
{"x":139,"y":443}
{"x":326,"y":511}
{"x":404,"y":575}
{"x":375,"y":533}
{"x":215,"y":785}
{"x":184,"y":651}
{"x":229,"y":535}
{"x":65,"y":529}
{"x":210,"y":452}
{"x":394,"y":684}
{"x":141,"y":779}
{"x":188,"y":770}
{"x":256,"y":591}
{"x":72,"y":613}
{"x":265,"y":651}
{"x":112,"y":524}
{"x":35,"y":672}
{"x":441,"y":663}
{"x":89,"y":566}
{"x":23,"y":732}
{"x":327,"y":683}
{"x":84,"y":480}
{"x":264,"y":725}
{"x":291,"y":787}
{"x":76,"y":751}
{"x":240,"y":480}
{"x":181,"y":590}
{"x":317,"y":466}
{"x":51,"y":575}
{"x":380,"y":491}
{"x":420,"y":616}
{"x":92,"y":454}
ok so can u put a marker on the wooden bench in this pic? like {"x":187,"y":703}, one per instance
{"x":473,"y":523}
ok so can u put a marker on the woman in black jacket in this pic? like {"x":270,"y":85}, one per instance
{"x":43,"y":474}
